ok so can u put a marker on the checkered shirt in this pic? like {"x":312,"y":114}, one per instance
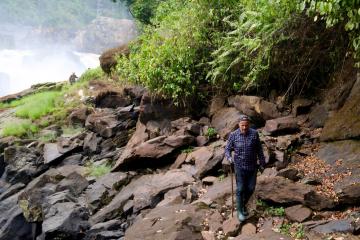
{"x":247,"y":148}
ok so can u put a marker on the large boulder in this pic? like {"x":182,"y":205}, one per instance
{"x":22,"y":164}
{"x":255,"y":107}
{"x":145,"y":191}
{"x":345,"y":123}
{"x":225,"y":121}
{"x":281,"y":190}
{"x":106,"y":33}
{"x":344,"y":157}
{"x":169,"y":223}
{"x":280,"y":126}
{"x":65,"y":220}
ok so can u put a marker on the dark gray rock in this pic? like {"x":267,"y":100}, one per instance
{"x":146,"y":191}
{"x":74,"y":182}
{"x":92,"y":143}
{"x":98,"y":194}
{"x":170,"y":223}
{"x":78,"y":116}
{"x":281,"y":126}
{"x":289,"y":173}
{"x":22,"y":164}
{"x":318,"y":202}
{"x":65,"y":221}
{"x":301,"y":106}
{"x":343,"y":226}
{"x":318,"y":116}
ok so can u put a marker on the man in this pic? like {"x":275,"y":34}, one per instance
{"x":246,"y":144}
{"x":72,"y":78}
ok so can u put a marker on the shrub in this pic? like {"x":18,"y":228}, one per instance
{"x":19,"y":129}
{"x":211,"y":132}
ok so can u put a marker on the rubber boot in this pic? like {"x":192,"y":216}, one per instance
{"x":239,"y":209}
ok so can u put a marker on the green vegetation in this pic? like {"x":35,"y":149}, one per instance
{"x":97,"y":170}
{"x":295,"y":230}
{"x":19,"y":129}
{"x":270,"y":210}
{"x":42,"y":109}
{"x":211,"y":132}
{"x":238,"y":46}
{"x":335,"y":12}
{"x":188,"y":150}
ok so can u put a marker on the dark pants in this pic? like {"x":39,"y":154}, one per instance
{"x":245,"y":184}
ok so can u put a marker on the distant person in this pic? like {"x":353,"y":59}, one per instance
{"x":246,"y":144}
{"x":72,"y":78}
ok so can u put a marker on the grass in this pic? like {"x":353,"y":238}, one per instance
{"x":69,"y":131}
{"x":37,"y":105}
{"x":19,"y":129}
{"x":97,"y":170}
{"x":188,"y":150}
{"x":270,"y":210}
{"x":211,"y":132}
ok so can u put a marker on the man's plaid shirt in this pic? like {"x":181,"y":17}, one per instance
{"x":247,"y":148}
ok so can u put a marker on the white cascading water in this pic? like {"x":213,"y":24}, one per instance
{"x":19,"y":69}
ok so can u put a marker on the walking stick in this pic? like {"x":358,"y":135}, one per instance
{"x":232,"y":191}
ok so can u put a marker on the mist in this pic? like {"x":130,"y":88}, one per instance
{"x":47,"y":40}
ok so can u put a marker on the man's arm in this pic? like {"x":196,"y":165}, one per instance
{"x":229,"y":147}
{"x":259,"y":151}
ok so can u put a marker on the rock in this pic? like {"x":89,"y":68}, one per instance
{"x":344,"y":156}
{"x":151,"y":151}
{"x":172,"y":197}
{"x":15,"y":220}
{"x":2,"y":165}
{"x":301,"y":106}
{"x":135,"y":93}
{"x":318,"y":116}
{"x":209,"y":180}
{"x":72,"y":160}
{"x":111,"y":99}
{"x":281,"y":190}
{"x":208,"y":235}
{"x":216,"y":104}
{"x":266,"y":234}
{"x":255,"y":107}
{"x":343,"y":226}
{"x":289,"y":173}
{"x":98,"y":194}
{"x":217,"y":191}
{"x":78,"y":116}
{"x":74,"y":182}
{"x":170,"y":223}
{"x":225,"y":121}
{"x":106,"y":228}
{"x":318,"y":202}
{"x":92,"y":143}
{"x":21,"y":164}
{"x":215,"y":221}
{"x":284,"y":142}
{"x":13,"y":189}
{"x":179,"y":160}
{"x":104,"y":122}
{"x":248,"y":229}
{"x":280,"y":126}
{"x":107,"y":33}
{"x":298,"y":213}
{"x":187,"y":124}
{"x":65,"y":220}
{"x":108,"y":58}
{"x":201,"y":141}
{"x":231,"y":227}
{"x":345,"y":123}
{"x":51,"y":153}
{"x":146,"y":191}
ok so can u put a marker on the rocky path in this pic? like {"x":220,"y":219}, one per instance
{"x":169,"y":178}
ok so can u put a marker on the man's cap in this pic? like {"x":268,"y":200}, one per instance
{"x":244,"y":118}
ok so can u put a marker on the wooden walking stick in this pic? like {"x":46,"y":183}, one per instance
{"x":232,"y":191}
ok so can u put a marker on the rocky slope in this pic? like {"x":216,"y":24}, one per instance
{"x":169,"y":178}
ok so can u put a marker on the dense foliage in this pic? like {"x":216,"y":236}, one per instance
{"x":229,"y":46}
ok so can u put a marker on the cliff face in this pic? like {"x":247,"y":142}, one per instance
{"x":169,"y":178}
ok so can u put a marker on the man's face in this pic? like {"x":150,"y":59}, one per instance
{"x":244,"y":126}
